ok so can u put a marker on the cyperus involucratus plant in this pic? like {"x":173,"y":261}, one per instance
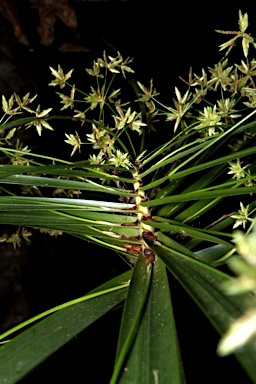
{"x":164,"y":207}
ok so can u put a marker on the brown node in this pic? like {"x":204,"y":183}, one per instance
{"x":147,"y":218}
{"x":134,"y":249}
{"x":144,"y":198}
{"x":148,"y":236}
{"x":134,"y":223}
{"x":134,"y":208}
{"x":149,"y":256}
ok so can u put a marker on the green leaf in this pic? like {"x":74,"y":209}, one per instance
{"x":204,"y":285}
{"x":17,"y":123}
{"x":199,"y":183}
{"x":174,"y":156}
{"x":39,"y":203}
{"x":85,"y":170}
{"x":197,"y":168}
{"x":172,"y":244}
{"x":48,"y":182}
{"x":213,"y":255}
{"x":26,"y":120}
{"x":30,"y":348}
{"x":197,"y":195}
{"x":199,"y":149}
{"x":154,"y":357}
{"x":133,"y":309}
{"x":76,"y":217}
{"x":218,"y":161}
{"x":173,"y":227}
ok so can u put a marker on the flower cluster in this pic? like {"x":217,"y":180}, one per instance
{"x":222,"y":90}
{"x":115,"y":117}
{"x":15,"y":106}
{"x":16,"y":238}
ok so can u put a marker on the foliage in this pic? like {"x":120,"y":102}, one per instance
{"x":164,"y":207}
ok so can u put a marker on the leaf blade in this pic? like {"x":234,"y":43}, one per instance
{"x":203,"y":283}
{"x":38,"y":342}
{"x":132,"y":313}
{"x":155,"y":353}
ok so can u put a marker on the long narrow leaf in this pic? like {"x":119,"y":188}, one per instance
{"x":197,"y":195}
{"x":14,"y":202}
{"x":155,"y":354}
{"x":188,"y":231}
{"x":212,"y":163}
{"x":41,"y":181}
{"x":30,"y":348}
{"x":68,"y":224}
{"x":199,"y":149}
{"x":204,"y":284}
{"x":85,"y":170}
{"x":133,"y":309}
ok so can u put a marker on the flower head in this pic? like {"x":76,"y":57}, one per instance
{"x":75,"y":141}
{"x":120,"y":159}
{"x":209,"y":120}
{"x":242,"y":217}
{"x":68,"y":101}
{"x":60,"y":77}
{"x":237,"y":170}
{"x":40,"y":123}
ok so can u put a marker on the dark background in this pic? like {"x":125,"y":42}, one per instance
{"x":164,"y":38}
